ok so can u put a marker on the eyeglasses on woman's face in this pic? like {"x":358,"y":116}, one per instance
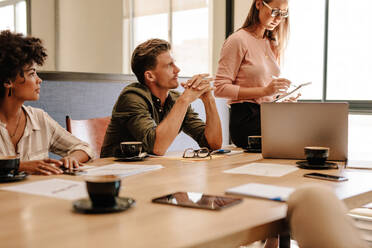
{"x":277,"y":12}
{"x":199,"y":153}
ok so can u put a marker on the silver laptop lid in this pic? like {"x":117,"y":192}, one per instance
{"x":288,"y":127}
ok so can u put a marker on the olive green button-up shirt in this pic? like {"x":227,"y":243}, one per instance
{"x":137,"y":113}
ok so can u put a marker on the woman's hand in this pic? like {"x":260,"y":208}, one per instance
{"x":293,"y":99}
{"x":278,"y":85}
{"x":45,"y":167}
{"x":70,"y":162}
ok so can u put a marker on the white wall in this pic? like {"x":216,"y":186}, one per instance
{"x":90,"y":36}
{"x":241,"y":9}
{"x":87,"y":35}
{"x":43,"y":26}
{"x":217,"y":22}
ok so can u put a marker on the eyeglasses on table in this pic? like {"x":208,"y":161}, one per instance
{"x":197,"y":153}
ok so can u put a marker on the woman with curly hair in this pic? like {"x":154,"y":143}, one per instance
{"x":248,"y":68}
{"x":28,"y":132}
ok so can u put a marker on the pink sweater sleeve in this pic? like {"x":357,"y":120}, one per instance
{"x":232,"y":54}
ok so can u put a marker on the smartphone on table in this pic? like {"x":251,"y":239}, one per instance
{"x":326,"y":177}
{"x":198,"y":200}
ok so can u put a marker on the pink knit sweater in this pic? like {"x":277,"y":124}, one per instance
{"x":245,"y":61}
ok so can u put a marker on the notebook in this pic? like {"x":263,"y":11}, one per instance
{"x":271,"y":192}
{"x":286,"y":128}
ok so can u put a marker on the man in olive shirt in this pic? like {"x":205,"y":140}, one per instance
{"x":149,"y":111}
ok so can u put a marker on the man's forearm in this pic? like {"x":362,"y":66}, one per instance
{"x":213,"y":130}
{"x":168,"y":129}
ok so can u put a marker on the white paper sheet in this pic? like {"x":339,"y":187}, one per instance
{"x":58,"y":188}
{"x":271,"y":192}
{"x":122,"y":170}
{"x":263,"y":169}
{"x":359,"y":164}
{"x":170,"y":155}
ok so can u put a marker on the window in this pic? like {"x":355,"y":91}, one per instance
{"x":13,"y":15}
{"x":349,"y":52}
{"x":303,"y":59}
{"x":360,"y":137}
{"x":345,"y":74}
{"x":183,"y":23}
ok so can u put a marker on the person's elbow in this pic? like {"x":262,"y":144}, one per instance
{"x":215,"y":146}
{"x":160,"y":151}
{"x":218,"y":90}
{"x":215,"y":143}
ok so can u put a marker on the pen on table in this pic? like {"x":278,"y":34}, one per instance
{"x":278,"y":198}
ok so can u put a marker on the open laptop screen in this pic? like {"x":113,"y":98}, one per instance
{"x":288,"y":127}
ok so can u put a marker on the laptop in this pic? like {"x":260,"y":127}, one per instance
{"x":286,"y":128}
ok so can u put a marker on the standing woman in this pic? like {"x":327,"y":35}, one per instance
{"x":248,"y":68}
{"x":25,"y":131}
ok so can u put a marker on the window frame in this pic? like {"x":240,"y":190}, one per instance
{"x":130,"y":4}
{"x":14,"y":3}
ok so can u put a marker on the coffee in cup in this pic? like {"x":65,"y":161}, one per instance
{"x":9,"y":165}
{"x":254,"y":142}
{"x":316,"y":155}
{"x":103,"y":190}
{"x":131,"y":148}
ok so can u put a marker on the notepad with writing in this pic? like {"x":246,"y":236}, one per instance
{"x":271,"y":192}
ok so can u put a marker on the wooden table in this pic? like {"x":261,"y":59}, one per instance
{"x":37,"y":221}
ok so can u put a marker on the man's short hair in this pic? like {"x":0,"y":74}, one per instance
{"x":17,"y":51}
{"x":145,"y":54}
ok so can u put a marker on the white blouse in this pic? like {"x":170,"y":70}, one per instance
{"x":42,"y":135}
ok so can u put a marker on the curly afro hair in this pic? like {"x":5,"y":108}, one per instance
{"x":17,"y":51}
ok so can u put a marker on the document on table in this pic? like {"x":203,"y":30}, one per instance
{"x":58,"y":188}
{"x":359,"y":164}
{"x":271,"y":192}
{"x":122,"y":170}
{"x":263,"y":169}
{"x":177,"y":155}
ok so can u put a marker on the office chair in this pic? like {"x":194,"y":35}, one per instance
{"x":91,"y":131}
{"x":363,"y":221}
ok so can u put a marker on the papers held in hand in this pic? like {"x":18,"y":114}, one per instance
{"x":286,"y":94}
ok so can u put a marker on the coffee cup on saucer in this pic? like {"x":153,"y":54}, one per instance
{"x":254,"y":142}
{"x":131,"y":148}
{"x":103,"y":190}
{"x":9,"y":166}
{"x":316,"y":155}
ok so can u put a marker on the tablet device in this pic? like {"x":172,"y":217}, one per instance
{"x":198,"y":200}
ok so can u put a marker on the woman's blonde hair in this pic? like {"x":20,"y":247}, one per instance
{"x":278,"y":37}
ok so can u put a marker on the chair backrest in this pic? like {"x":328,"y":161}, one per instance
{"x":91,"y":131}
